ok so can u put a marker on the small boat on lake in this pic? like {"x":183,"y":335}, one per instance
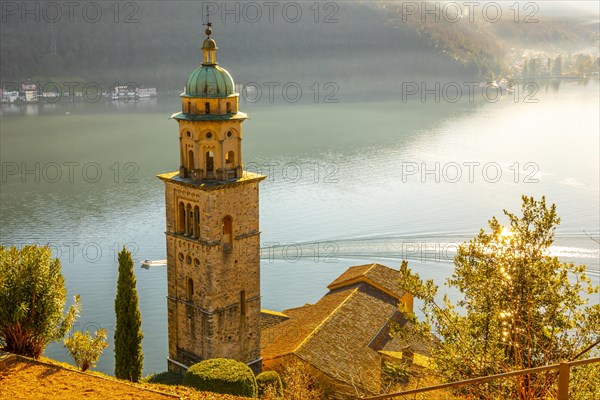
{"x":153,"y":263}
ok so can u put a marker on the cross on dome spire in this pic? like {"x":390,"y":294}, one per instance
{"x":208,"y":24}
{"x":209,"y":46}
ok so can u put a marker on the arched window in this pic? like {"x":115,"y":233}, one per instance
{"x":196,"y":222}
{"x":188,"y":220}
{"x":227,"y":230}
{"x":209,"y":162}
{"x":228,"y":106}
{"x":190,"y":290}
{"x":189,"y":108}
{"x":230,"y":157}
{"x":181,"y":218}
{"x":191,"y":160}
{"x":207,"y":108}
{"x":192,"y":223}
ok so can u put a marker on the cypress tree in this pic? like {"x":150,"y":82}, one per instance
{"x":128,"y":333}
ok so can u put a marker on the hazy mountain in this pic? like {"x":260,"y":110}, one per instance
{"x":361,"y":45}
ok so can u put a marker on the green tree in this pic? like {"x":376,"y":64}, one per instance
{"x":520,"y":308}
{"x":85,"y":349}
{"x":32,"y":300}
{"x":128,"y":333}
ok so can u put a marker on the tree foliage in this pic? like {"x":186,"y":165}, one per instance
{"x":32,"y":300}
{"x":269,"y":384}
{"x":520,"y":308}
{"x":85,"y":349}
{"x":395,"y":373}
{"x":128,"y":331}
{"x":299,"y":383}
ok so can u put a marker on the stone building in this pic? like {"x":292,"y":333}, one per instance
{"x":345,"y":338}
{"x":212,"y":229}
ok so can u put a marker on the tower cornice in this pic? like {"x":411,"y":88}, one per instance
{"x":180,"y":116}
{"x":173,"y":177}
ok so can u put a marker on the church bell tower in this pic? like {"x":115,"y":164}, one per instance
{"x":212,"y":230}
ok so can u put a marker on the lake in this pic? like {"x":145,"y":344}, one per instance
{"x":348,"y":183}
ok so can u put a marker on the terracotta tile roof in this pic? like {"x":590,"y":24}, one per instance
{"x":335,"y":334}
{"x":384,"y":337}
{"x":287,"y":336}
{"x":270,"y":318}
{"x":346,"y":332}
{"x":376,"y":275}
{"x":351,"y":273}
{"x":340,"y":346}
{"x":291,"y":312}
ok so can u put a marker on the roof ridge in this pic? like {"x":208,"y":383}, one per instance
{"x":370,"y":268}
{"x":314,"y":331}
{"x":272,"y":312}
{"x":385,"y":324}
{"x":354,"y":267}
{"x":363,"y":278}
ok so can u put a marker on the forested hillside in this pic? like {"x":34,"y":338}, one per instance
{"x":157,"y":43}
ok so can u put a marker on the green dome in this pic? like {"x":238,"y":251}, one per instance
{"x":209,"y":81}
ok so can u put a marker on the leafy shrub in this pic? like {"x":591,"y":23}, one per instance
{"x":396,"y":373}
{"x":269,"y":381}
{"x":222,"y":375}
{"x":165,"y":378}
{"x":32,"y":300}
{"x":86,"y":350}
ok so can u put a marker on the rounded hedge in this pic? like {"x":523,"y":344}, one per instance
{"x":165,"y":378}
{"x":222,"y":375}
{"x":269,"y":378}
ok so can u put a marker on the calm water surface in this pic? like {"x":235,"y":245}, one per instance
{"x":348,"y":183}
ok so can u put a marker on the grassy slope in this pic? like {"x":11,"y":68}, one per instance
{"x":46,"y":377}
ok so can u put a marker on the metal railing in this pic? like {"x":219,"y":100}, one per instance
{"x":563,"y":368}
